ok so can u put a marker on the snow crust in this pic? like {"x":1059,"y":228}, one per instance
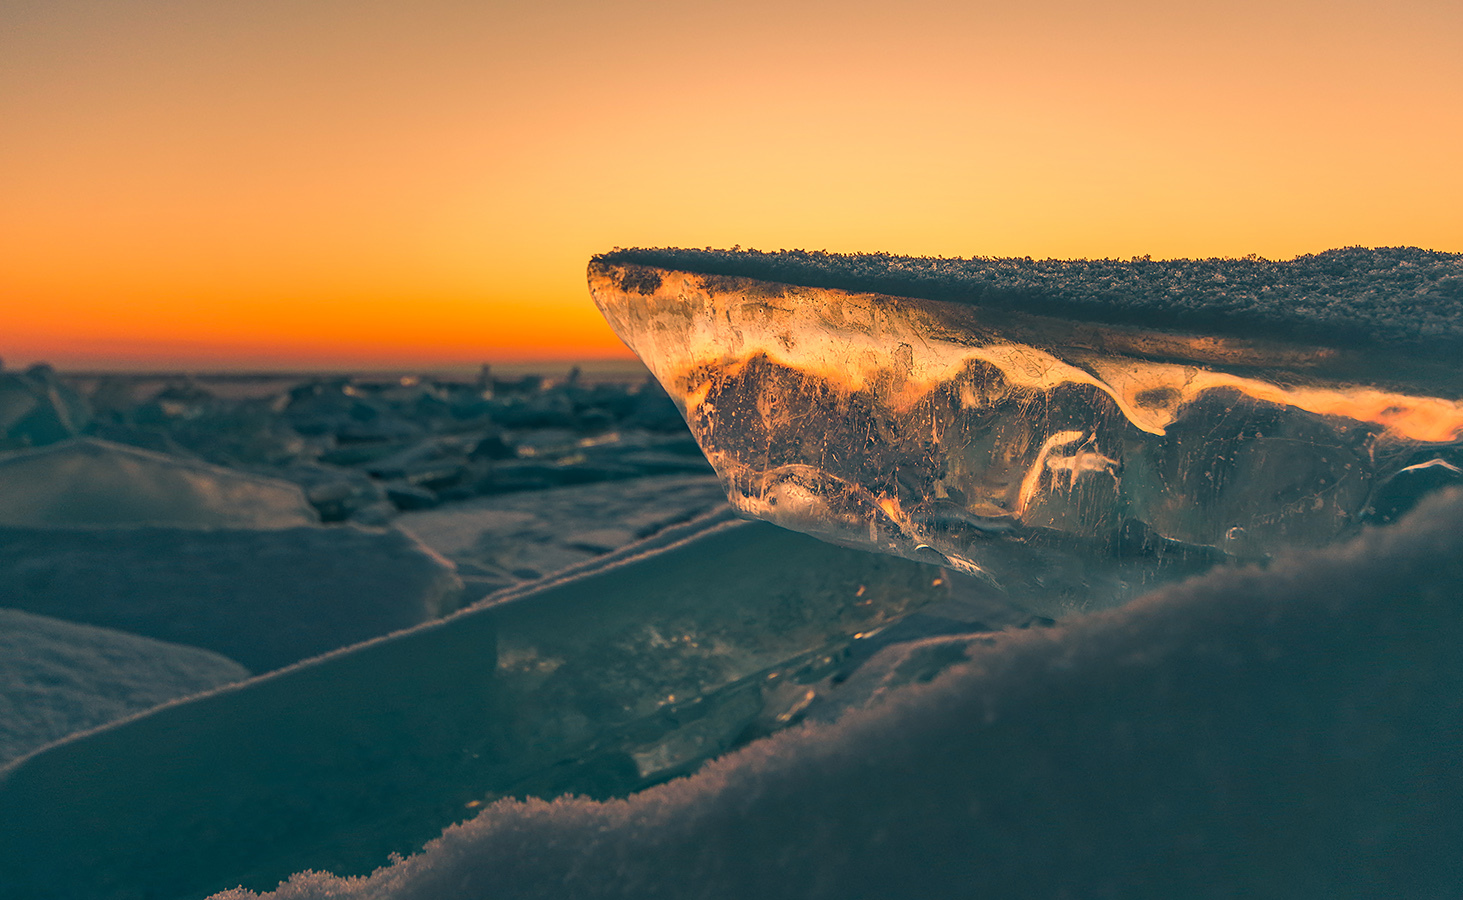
{"x":1356,"y":295}
{"x":58,"y":678}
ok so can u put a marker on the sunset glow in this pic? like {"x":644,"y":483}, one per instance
{"x":277,"y":185}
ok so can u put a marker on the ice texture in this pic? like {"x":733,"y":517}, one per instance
{"x":36,"y":408}
{"x":631,"y":671}
{"x":1070,"y":461}
{"x":263,"y":597}
{"x":365,"y":447}
{"x":508,"y":539}
{"x":91,"y":482}
{"x":1283,"y":732}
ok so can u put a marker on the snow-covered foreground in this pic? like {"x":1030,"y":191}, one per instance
{"x":1281,"y":732}
{"x":1292,"y":732}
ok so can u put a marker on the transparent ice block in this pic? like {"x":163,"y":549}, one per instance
{"x":1069,"y":463}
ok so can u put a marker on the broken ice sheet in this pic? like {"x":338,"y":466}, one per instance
{"x":1070,"y":461}
{"x":629,"y":671}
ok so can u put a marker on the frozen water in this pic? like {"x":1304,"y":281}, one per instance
{"x":263,"y":597}
{"x":505,"y":539}
{"x":37,"y":409}
{"x":1071,"y":462}
{"x":89,"y":482}
{"x":57,"y":678}
{"x":600,"y":683}
{"x":364,"y":449}
{"x":1284,"y":732}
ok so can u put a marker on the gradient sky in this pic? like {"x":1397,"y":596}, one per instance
{"x":287,"y":183}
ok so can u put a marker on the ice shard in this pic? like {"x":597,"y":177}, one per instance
{"x":86,"y":482}
{"x":1070,"y":432}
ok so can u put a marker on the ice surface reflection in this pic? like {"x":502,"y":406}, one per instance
{"x":1070,"y":463}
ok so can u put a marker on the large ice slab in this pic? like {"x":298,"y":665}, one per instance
{"x":1289,"y":732}
{"x":623,"y":675}
{"x":91,"y":482}
{"x":263,"y":597}
{"x":507,"y":539}
{"x":1071,"y":432}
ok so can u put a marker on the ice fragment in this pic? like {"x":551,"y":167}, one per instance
{"x":90,"y":482}
{"x":1071,"y":461}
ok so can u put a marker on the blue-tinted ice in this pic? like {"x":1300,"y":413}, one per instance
{"x":90,"y":482}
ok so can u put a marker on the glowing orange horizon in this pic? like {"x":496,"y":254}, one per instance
{"x":278,"y":181}
{"x":381,"y":333}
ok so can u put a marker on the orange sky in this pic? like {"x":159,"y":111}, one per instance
{"x":288,"y":183}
